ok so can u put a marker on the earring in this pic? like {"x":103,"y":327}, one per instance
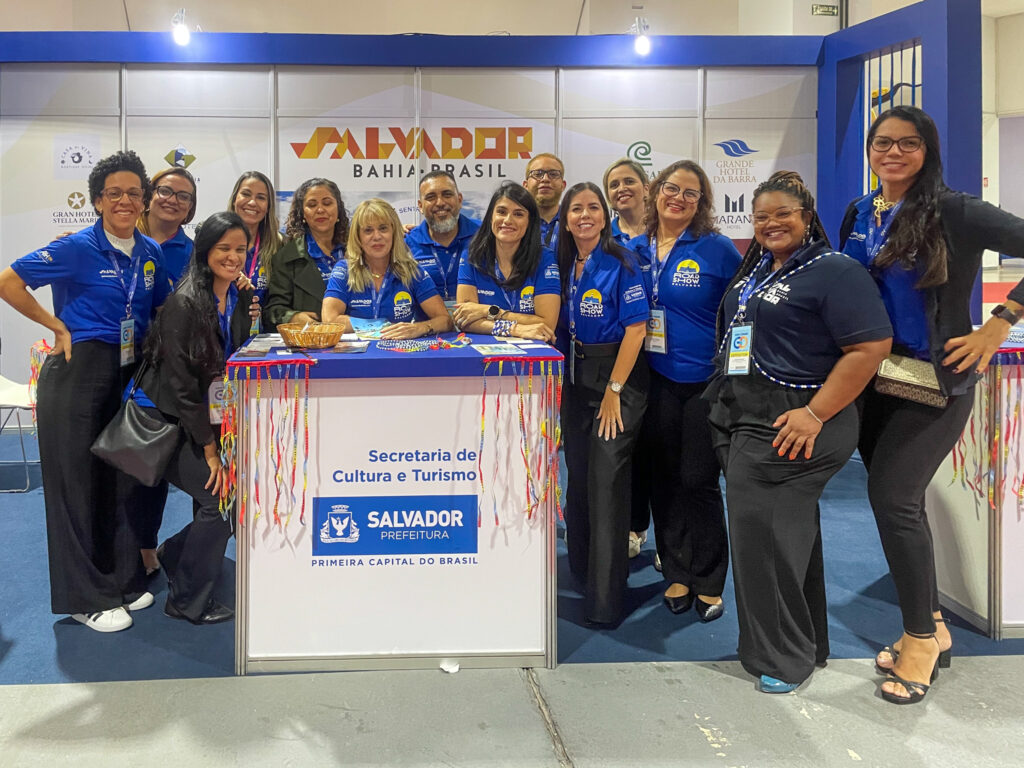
{"x":807,"y":234}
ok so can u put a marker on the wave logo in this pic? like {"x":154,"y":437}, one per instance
{"x":403,"y":305}
{"x":591,"y":305}
{"x":735,"y":148}
{"x":339,"y":526}
{"x":640,"y":151}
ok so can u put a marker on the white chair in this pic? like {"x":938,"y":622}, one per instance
{"x":14,"y":398}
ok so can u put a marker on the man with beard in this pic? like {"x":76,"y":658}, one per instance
{"x":545,"y":181}
{"x":440,"y":241}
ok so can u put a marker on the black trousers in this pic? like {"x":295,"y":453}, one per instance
{"x":146,"y":513}
{"x":640,"y":492}
{"x":93,"y":553}
{"x":902,"y":444}
{"x":597,"y":508}
{"x":192,"y":557}
{"x":689,"y":519}
{"x":774,"y":524}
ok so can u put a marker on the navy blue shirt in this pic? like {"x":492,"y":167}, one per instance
{"x":903,"y":302}
{"x":85,"y":272}
{"x":544,"y":281}
{"x":395,"y":302}
{"x":177,"y":251}
{"x":606,"y":299}
{"x":691,"y":281}
{"x":439,"y":261}
{"x":803,"y":317}
{"x":323,"y":262}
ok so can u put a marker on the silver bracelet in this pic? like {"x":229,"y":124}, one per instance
{"x":814,"y":415}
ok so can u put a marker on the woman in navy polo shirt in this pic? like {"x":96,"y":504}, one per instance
{"x":802,"y":331}
{"x":922,"y":243}
{"x":508,"y":285}
{"x":687,"y":266}
{"x":107,"y":282}
{"x":380,"y":280}
{"x":253,"y":199}
{"x":317,"y":229}
{"x":173,"y":205}
{"x":603,"y":405}
{"x":626,"y":185}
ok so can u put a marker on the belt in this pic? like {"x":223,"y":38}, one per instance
{"x":583,"y":351}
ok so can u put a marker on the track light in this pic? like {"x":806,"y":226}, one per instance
{"x":641,"y":42}
{"x":178,"y":28}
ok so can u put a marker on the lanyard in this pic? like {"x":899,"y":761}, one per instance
{"x":550,"y":230}
{"x":323,"y":262}
{"x":446,"y":273}
{"x":128,"y":291}
{"x":511,"y":297}
{"x":750,"y":286}
{"x":573,"y":288}
{"x":877,"y":237}
{"x":255,"y":257}
{"x":658,"y":266}
{"x":230,"y":301}
{"x":378,"y":296}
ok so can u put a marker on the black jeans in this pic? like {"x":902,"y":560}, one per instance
{"x":902,"y":444}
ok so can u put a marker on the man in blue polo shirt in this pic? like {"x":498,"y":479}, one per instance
{"x":440,"y":242}
{"x":545,"y":181}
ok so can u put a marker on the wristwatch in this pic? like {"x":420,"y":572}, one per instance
{"x":614,"y":386}
{"x":493,"y":311}
{"x":1012,"y":316}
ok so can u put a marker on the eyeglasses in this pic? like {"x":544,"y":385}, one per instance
{"x":164,"y":193}
{"x":539,"y":173}
{"x":906,"y":144}
{"x":114,"y":194}
{"x":690,"y":195}
{"x":779,"y":214}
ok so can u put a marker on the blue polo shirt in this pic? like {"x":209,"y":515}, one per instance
{"x":324,"y":263}
{"x":606,"y":298}
{"x":258,"y":276}
{"x":617,"y":234}
{"x":395,"y":302}
{"x":177,"y":251}
{"x":544,"y":281}
{"x":691,"y":281}
{"x":904,"y":302}
{"x":803,"y":317}
{"x":439,"y":261}
{"x":85,"y":272}
{"x":549,"y":233}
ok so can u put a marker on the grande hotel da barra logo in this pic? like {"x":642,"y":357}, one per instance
{"x":492,"y":143}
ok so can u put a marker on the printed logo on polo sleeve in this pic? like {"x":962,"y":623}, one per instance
{"x":634,"y":293}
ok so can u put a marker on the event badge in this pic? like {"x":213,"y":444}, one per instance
{"x":739,"y":350}
{"x":128,"y":341}
{"x":655,"y":340}
{"x":221,"y":396}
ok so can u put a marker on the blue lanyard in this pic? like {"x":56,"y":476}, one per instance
{"x":446,"y":273}
{"x":573,"y":288}
{"x":230,"y":301}
{"x":511,"y":297}
{"x":877,"y":237}
{"x":658,"y":266}
{"x":751,"y":286}
{"x":129,"y":291}
{"x":378,"y":296}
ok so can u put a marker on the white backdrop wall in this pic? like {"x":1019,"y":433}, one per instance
{"x":373,"y":131}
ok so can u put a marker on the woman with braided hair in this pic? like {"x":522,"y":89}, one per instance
{"x":800,"y":332}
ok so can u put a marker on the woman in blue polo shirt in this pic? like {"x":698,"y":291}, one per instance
{"x":802,"y":331}
{"x":380,"y":280}
{"x":508,"y":285}
{"x":603,"y":404}
{"x":626,"y":185}
{"x":687,"y":265}
{"x":172,"y":206}
{"x":107,"y":282}
{"x":254,"y":200}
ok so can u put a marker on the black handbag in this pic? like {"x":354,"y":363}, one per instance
{"x":136,"y":443}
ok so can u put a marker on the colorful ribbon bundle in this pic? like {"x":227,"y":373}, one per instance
{"x":423,"y":345}
{"x":37,"y":356}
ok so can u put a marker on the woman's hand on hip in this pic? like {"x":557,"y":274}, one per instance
{"x":977,"y":346}
{"x":798,"y":430}
{"x":62,"y":342}
{"x":609,"y":416}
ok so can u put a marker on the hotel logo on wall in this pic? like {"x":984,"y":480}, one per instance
{"x":734,"y":177}
{"x":640,"y":152}
{"x":76,"y":212}
{"x":179,"y":157}
{"x":74,"y":155}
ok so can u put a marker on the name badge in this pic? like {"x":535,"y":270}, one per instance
{"x":221,"y":396}
{"x":740,"y":339}
{"x":127,"y":341}
{"x":656,"y":339}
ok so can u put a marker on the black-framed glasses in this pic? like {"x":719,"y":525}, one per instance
{"x":906,"y":144}
{"x":539,"y":173}
{"x":779,"y":214}
{"x":690,"y":195}
{"x":113,"y":194}
{"x":164,"y":192}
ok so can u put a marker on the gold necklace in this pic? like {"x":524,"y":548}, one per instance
{"x":881,"y":206}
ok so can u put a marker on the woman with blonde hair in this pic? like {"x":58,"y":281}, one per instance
{"x":380,"y":279}
{"x":253,"y":199}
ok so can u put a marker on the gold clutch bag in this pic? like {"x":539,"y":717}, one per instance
{"x":910,"y":379}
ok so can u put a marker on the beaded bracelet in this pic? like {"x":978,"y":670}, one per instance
{"x":503,"y":327}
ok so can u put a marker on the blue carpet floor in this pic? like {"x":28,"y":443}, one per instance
{"x":38,"y":647}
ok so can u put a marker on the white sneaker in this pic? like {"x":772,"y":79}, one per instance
{"x":142,"y":601}
{"x":113,"y":620}
{"x":636,"y":541}
{"x":657,"y":562}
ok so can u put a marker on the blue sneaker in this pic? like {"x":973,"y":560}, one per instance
{"x":773,"y":685}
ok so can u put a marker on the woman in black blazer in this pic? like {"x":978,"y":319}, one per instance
{"x":202,"y":322}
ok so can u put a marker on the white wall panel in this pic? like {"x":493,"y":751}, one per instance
{"x":198,"y":92}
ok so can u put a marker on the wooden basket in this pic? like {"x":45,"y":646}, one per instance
{"x":313,"y":336}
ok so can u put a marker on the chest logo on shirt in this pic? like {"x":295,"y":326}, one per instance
{"x":403,"y":306}
{"x":261,"y":279}
{"x":687,"y":274}
{"x":591,"y":305}
{"x":776,"y":293}
{"x":149,"y":274}
{"x":526,"y":300}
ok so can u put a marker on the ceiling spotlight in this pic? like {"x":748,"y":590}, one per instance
{"x":178,"y":28}
{"x":641,"y":42}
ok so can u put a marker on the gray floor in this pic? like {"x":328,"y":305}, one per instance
{"x":693,"y":714}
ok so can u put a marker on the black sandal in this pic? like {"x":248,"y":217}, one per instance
{"x":916,"y":691}
{"x":945,"y":657}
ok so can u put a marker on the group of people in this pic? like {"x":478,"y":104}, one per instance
{"x":684,"y":359}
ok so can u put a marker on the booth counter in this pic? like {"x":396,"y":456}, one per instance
{"x":396,"y":509}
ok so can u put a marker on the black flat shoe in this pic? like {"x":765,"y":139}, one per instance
{"x":679,"y":604}
{"x":708,"y":611}
{"x":213,"y":613}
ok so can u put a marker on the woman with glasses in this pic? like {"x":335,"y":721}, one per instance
{"x":107,"y":282}
{"x":173,"y":205}
{"x":687,"y":265}
{"x":922,"y":243}
{"x":317,"y":228}
{"x":254,"y":201}
{"x":801,"y":332}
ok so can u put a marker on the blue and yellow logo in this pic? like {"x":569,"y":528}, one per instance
{"x":149,"y":274}
{"x":687,"y":273}
{"x":688,"y":265}
{"x":403,"y":305}
{"x":591,"y":304}
{"x":526,"y":299}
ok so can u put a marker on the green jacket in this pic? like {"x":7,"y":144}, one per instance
{"x":296,"y":284}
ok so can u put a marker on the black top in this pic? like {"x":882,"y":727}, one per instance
{"x":175,"y":383}
{"x":296,"y":284}
{"x":970,"y":225}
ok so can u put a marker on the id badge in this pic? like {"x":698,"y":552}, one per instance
{"x":740,"y":339}
{"x":220,"y":397}
{"x":656,"y":339}
{"x":128,"y":341}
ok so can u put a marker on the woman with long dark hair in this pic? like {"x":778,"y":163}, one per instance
{"x":254,"y":200}
{"x":508,"y":285}
{"x":802,"y":331}
{"x":605,"y":315}
{"x":922,"y":243}
{"x":200,"y":325}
